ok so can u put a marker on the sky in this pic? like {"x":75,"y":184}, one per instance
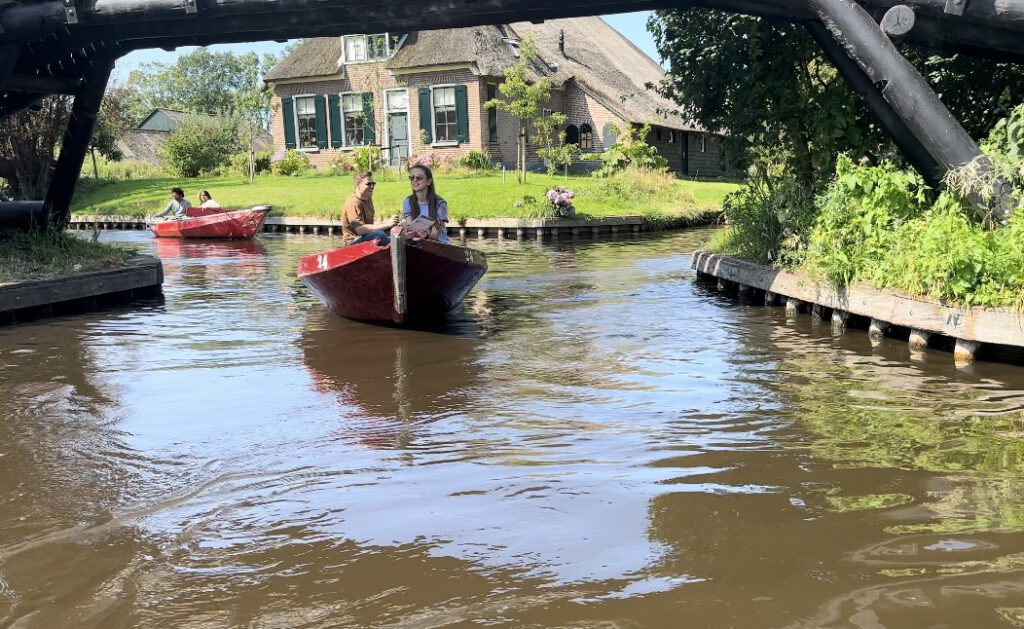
{"x":632,"y":25}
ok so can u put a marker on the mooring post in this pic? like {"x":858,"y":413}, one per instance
{"x":918,"y":340}
{"x":770,"y":298}
{"x":792,"y":306}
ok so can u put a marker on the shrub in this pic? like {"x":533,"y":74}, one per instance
{"x":630,"y":150}
{"x":240,"y":162}
{"x":200,"y":144}
{"x":476,"y":160}
{"x":126,"y":170}
{"x":341,"y":164}
{"x":293,"y":163}
{"x":366,"y":157}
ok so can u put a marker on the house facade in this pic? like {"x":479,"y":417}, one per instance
{"x":424,"y":92}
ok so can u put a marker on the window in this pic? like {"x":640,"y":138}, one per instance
{"x":657,"y":134}
{"x":572,"y":134}
{"x":586,"y":137}
{"x":305,"y":121}
{"x":359,"y":48}
{"x":353,"y":117}
{"x":703,"y":143}
{"x":545,"y":113}
{"x":445,"y":123}
{"x":492,"y":114}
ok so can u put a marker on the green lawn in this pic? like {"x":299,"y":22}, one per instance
{"x":44,"y":255}
{"x":469,"y":195}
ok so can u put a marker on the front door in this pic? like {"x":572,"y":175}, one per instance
{"x":398,"y":132}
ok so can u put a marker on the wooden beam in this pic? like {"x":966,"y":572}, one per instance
{"x":57,"y":205}
{"x":42,"y":84}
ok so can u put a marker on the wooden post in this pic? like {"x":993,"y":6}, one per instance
{"x":876,"y":329}
{"x":817,"y":314}
{"x":744,"y":292}
{"x":770,"y":298}
{"x":964,"y":352}
{"x":57,"y":206}
{"x":792,"y":307}
{"x":918,"y":340}
{"x":839,"y":320}
{"x":398,"y":272}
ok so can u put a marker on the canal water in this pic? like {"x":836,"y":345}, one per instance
{"x":594,"y":440}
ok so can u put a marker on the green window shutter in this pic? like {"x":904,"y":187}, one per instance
{"x":426,"y":114}
{"x":288,"y":114}
{"x":461,"y":113}
{"x":321,"y":122}
{"x":334,"y":105}
{"x":369,"y":135}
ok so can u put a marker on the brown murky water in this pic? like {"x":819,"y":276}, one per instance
{"x":593,"y":441}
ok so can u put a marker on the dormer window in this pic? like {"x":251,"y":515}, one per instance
{"x":363,"y":48}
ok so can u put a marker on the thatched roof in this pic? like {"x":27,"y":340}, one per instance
{"x":607,"y":66}
{"x":316,"y":56}
{"x":142,"y":145}
{"x":598,"y":58}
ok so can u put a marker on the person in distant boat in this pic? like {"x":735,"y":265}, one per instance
{"x":206,"y":201}
{"x":424,"y":202}
{"x":357,"y":215}
{"x":177,"y":206}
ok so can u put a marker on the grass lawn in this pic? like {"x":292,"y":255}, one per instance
{"x":469,"y":195}
{"x":44,"y":255}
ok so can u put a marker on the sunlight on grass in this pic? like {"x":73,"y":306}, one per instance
{"x":469,"y":195}
{"x":44,"y":255}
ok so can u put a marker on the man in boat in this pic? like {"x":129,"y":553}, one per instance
{"x":357,"y":215}
{"x":177,"y":206}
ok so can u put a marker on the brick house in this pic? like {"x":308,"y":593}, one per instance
{"x":424,"y":91}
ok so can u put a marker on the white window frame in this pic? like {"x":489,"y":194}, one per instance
{"x":433,"y":115}
{"x":387,"y":115}
{"x":344,"y":124}
{"x":366,"y":48}
{"x":703,"y":143}
{"x":295,"y":122}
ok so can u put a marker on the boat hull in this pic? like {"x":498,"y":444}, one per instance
{"x":205,"y":223}
{"x":359,"y":281}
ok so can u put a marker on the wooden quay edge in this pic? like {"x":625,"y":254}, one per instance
{"x":142,"y":272}
{"x":1000,"y":326}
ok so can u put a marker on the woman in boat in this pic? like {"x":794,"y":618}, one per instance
{"x":206,"y":201}
{"x":424,"y":202}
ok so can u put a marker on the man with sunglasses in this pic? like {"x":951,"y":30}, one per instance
{"x":357,"y":215}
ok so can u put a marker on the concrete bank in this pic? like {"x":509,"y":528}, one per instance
{"x":991,"y":334}
{"x":501,"y":228}
{"x":82,"y":292}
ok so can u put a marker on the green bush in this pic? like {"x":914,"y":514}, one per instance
{"x":293,"y":163}
{"x":341,"y":164}
{"x":366,"y":157}
{"x":476,"y":160}
{"x":631,"y":149}
{"x":240,"y":162}
{"x":200,"y":144}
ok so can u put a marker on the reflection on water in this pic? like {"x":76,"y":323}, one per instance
{"x":592,"y":440}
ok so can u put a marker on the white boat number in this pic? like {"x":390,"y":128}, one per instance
{"x":321,"y":261}
{"x":469,"y":256}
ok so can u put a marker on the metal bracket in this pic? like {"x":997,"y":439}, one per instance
{"x":955,"y":7}
{"x":191,"y":7}
{"x":70,"y":12}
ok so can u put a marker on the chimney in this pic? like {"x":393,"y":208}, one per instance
{"x":561,"y":41}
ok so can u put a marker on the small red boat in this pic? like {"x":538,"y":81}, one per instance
{"x":214,"y":223}
{"x":408,"y":280}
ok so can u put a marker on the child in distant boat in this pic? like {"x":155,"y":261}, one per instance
{"x":206,"y":201}
{"x":177,"y":205}
{"x":424,"y":203}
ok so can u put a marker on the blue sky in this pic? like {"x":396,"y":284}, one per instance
{"x":632,"y":25}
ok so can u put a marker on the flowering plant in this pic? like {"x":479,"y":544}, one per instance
{"x":561,"y":201}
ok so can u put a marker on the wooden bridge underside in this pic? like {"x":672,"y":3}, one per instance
{"x":70,"y":46}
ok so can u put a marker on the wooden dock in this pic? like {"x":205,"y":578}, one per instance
{"x":504,"y":228}
{"x":81,"y":292}
{"x":925,"y":323}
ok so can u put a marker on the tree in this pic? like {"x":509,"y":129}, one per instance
{"x":28,"y":146}
{"x":523,"y":99}
{"x":111,"y":122}
{"x":200,"y":144}
{"x":202,"y":82}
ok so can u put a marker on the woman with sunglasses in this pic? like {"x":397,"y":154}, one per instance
{"x":424,"y":202}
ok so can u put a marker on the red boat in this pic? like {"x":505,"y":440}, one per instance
{"x":214,"y":223}
{"x":408,"y":280}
